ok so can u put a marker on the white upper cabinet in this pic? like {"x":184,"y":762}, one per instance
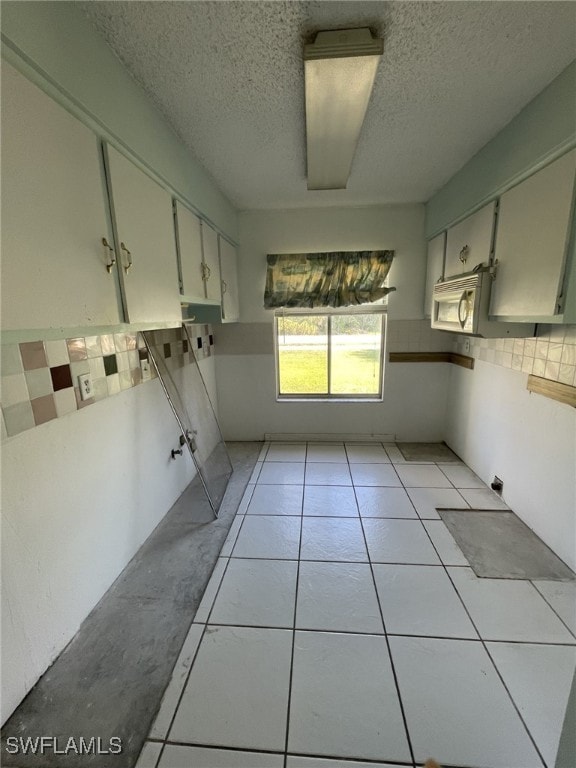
{"x":54,"y":216}
{"x":469,"y":243}
{"x":211,"y":263}
{"x":434,"y":269}
{"x":532,"y":242}
{"x":189,"y":240}
{"x":146,"y":246}
{"x":229,"y":275}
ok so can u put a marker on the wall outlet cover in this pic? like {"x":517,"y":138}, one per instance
{"x":85,"y":386}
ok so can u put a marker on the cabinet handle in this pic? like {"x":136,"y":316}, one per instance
{"x":463,"y":302}
{"x":224,"y":287}
{"x":464,"y":254}
{"x":205,"y":271}
{"x":123,"y":248}
{"x":108,"y":254}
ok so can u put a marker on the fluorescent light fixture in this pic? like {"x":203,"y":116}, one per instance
{"x":339,"y":70}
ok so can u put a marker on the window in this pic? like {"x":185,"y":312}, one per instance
{"x":331,"y":354}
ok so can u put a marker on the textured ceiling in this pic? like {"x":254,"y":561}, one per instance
{"x":228,"y":76}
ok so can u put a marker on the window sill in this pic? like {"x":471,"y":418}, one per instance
{"x":320,"y":399}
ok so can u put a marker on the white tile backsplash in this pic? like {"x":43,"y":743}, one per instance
{"x":56,"y":352}
{"x":14,"y":389}
{"x":551,"y":354}
{"x":65,"y":401}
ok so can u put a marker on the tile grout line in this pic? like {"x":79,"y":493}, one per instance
{"x":250,"y":491}
{"x":355,"y":517}
{"x":392,"y":667}
{"x":352,"y":562}
{"x":233,"y":544}
{"x":220,"y":584}
{"x":476,"y":628}
{"x":352,"y":760}
{"x":166,"y":738}
{"x":517,"y":709}
{"x":386,"y":634}
{"x":531,"y":581}
{"x":290,"y":679}
{"x":266,"y":449}
{"x":205,"y":625}
{"x":223,"y":747}
{"x":390,"y":634}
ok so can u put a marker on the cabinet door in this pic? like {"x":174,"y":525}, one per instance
{"x":434,"y":269}
{"x":229,"y":273}
{"x":211,"y":260}
{"x":189,"y":241}
{"x":469,"y":243}
{"x":532,"y":240}
{"x":146,"y":244}
{"x":53,"y":216}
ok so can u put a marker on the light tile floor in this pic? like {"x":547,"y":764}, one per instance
{"x":342,"y":626}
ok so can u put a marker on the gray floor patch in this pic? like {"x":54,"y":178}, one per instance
{"x":109,"y":681}
{"x":427,"y":452}
{"x":499,"y":545}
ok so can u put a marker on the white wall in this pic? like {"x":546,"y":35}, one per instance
{"x":414,"y":395}
{"x":396,"y":227}
{"x":413,"y":407}
{"x":80,"y":494}
{"x":493,"y":422}
{"x":498,"y":428}
{"x":542,"y":130}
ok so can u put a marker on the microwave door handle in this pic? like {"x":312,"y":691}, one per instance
{"x":460,"y":303}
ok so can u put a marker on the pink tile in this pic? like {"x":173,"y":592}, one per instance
{"x":44,"y":409}
{"x":77,"y":350}
{"x":33,"y":355}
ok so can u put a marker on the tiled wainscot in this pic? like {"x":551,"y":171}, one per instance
{"x":40,"y":378}
{"x":551,"y":354}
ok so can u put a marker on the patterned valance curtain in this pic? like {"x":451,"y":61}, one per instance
{"x":338,"y":279}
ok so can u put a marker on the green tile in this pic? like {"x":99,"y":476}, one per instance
{"x":11,"y":362}
{"x":39,"y":382}
{"x":18,"y":418}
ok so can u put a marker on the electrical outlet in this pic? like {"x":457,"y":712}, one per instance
{"x":497,"y":484}
{"x":145,"y":368}
{"x":466,"y":346}
{"x":85,"y":386}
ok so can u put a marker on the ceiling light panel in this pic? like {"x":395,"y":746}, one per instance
{"x":339,"y":68}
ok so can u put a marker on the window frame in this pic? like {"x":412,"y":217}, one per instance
{"x":362,"y":309}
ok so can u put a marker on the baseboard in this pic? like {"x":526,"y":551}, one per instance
{"x":339,"y":437}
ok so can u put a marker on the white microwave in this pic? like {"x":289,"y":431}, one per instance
{"x":460,"y":305}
